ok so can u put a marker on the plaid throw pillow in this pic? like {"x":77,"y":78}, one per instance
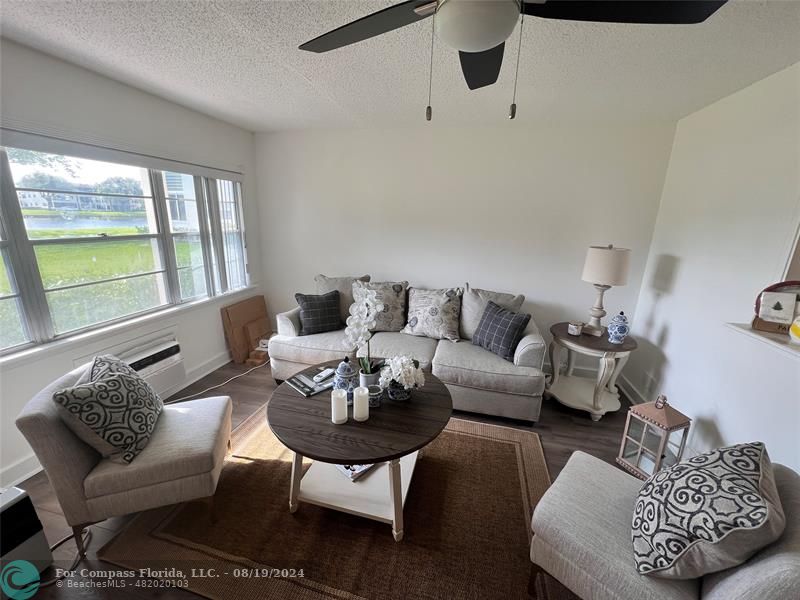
{"x":319,"y":314}
{"x":500,"y":330}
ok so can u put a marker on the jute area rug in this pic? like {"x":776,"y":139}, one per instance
{"x":467,"y":526}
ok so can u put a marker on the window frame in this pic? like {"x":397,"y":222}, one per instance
{"x":22,"y":266}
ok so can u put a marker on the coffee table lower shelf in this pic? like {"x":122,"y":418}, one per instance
{"x":379,"y":494}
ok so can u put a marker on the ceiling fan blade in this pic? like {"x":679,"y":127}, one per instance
{"x":677,"y":12}
{"x":481,"y":68}
{"x":394,"y":17}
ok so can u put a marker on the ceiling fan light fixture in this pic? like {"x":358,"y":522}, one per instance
{"x":476,"y":25}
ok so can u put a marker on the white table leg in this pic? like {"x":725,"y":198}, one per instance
{"x":570,"y":362}
{"x":612,"y":383}
{"x":555,"y":361}
{"x":297,"y":475}
{"x":607,"y":364}
{"x":396,"y":490}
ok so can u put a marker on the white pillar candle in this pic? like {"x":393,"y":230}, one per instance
{"x":339,"y":407}
{"x":361,"y":404}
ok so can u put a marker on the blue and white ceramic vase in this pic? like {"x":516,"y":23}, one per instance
{"x":398,"y":392}
{"x":346,"y":378}
{"x":618,"y":329}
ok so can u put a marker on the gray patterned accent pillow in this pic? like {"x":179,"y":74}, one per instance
{"x":115,"y":414}
{"x":319,"y":314}
{"x":343,"y":285}
{"x":474,"y":303}
{"x":500,"y":330}
{"x":708,"y":513}
{"x":393,"y":296}
{"x":434,"y":313}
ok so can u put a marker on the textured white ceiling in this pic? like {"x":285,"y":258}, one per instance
{"x":238,"y":61}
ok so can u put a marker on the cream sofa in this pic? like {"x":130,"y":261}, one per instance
{"x":478,"y":380}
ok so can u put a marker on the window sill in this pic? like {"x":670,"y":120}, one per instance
{"x":776,"y":340}
{"x":62,"y":344}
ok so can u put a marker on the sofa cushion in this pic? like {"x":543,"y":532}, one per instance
{"x":581,"y":529}
{"x":434,"y":313}
{"x":500,"y":330}
{"x":392,"y":294}
{"x":708,"y":513}
{"x":387,"y":344}
{"x":472,"y":366}
{"x":343,"y":285}
{"x":474,"y":302}
{"x":190,"y":438}
{"x":319,"y":313}
{"x":773,"y":573}
{"x":114,"y":413}
{"x":309,"y":349}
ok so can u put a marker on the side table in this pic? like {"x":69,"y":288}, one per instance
{"x":599,"y":396}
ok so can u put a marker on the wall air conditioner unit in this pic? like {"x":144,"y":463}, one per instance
{"x":161,"y":365}
{"x":156,"y":357}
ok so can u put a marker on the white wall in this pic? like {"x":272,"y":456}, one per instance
{"x":508,"y":208}
{"x":42,"y":94}
{"x":728,"y":215}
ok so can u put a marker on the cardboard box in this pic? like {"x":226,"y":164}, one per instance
{"x":239,"y":320}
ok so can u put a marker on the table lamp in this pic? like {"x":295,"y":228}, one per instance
{"x":605,"y":266}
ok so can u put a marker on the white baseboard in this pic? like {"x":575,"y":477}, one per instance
{"x":631,"y":391}
{"x":20,"y":471}
{"x":29,"y":466}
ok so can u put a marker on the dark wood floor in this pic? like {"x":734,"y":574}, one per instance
{"x":562,"y":431}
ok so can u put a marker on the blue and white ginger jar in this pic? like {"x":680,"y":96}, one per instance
{"x":618,"y":328}
{"x":346,"y":378}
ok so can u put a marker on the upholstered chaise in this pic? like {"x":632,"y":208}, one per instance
{"x":582,"y":537}
{"x":181,"y":462}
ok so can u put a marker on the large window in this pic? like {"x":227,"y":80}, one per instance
{"x":85,"y":242}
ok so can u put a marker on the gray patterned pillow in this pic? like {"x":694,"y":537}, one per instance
{"x":474,"y":303}
{"x":708,"y":513}
{"x":343,"y":285}
{"x":434,"y":313}
{"x":115,"y":414}
{"x":393,"y":296}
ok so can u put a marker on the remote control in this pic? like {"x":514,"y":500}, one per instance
{"x":323,"y":375}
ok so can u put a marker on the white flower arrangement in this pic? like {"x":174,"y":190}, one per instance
{"x":404,"y":371}
{"x":362,"y":320}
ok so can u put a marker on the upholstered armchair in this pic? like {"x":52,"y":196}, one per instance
{"x":582,"y":538}
{"x":181,"y":462}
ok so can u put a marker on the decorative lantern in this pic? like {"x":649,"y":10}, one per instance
{"x":654,"y":438}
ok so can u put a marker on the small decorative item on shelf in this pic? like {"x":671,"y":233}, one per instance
{"x":794,"y":331}
{"x":654,"y":438}
{"x":618,"y":328}
{"x":360,"y":323}
{"x":777,"y":306}
{"x":375,"y":395}
{"x":346,"y":379}
{"x":575,"y":327}
{"x":400,"y":376}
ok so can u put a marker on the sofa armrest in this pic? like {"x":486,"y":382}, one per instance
{"x":531,"y":348}
{"x":289,"y":322}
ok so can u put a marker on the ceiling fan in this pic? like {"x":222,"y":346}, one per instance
{"x":478,"y":29}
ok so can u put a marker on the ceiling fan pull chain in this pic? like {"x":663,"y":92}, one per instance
{"x":428,"y":109}
{"x":512,"y":111}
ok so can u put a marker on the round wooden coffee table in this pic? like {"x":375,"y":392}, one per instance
{"x":393,"y":436}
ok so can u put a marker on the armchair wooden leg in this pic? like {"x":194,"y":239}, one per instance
{"x":536,"y":570}
{"x":78,"y":533}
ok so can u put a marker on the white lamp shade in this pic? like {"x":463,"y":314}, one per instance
{"x":607,"y":265}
